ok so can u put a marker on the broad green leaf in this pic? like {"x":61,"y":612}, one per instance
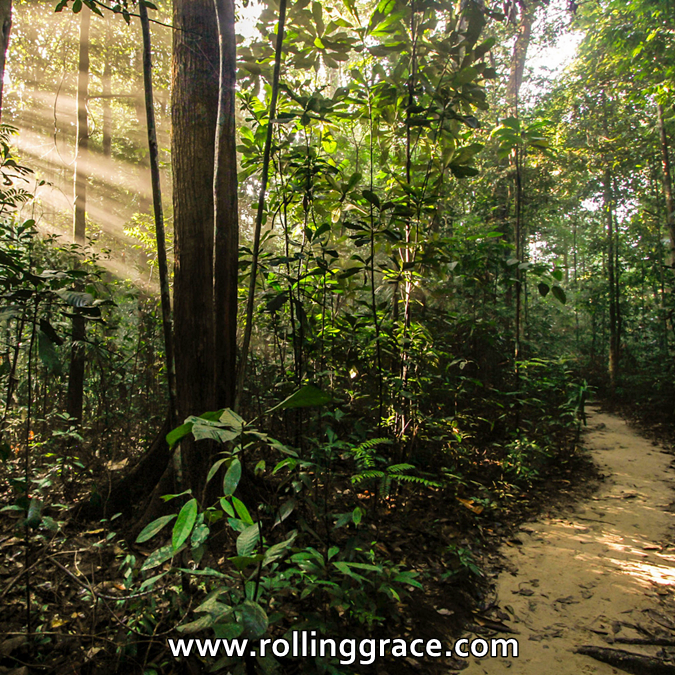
{"x":150,"y":530}
{"x":227,"y":507}
{"x":277,"y":551}
{"x":306,"y":397}
{"x":231,"y":419}
{"x":75,"y":298}
{"x":228,"y":631}
{"x":232,"y":477}
{"x":254,"y":619}
{"x":248,"y":540}
{"x":543,"y":289}
{"x":214,"y":469}
{"x":285,"y":511}
{"x":184,"y":524}
{"x":207,"y":431}
{"x":160,"y":556}
{"x":242,"y":511}
{"x":178,"y":433}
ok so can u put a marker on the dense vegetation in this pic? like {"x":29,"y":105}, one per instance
{"x":397,"y":261}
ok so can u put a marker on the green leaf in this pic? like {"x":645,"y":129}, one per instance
{"x":462,"y":171}
{"x":184,"y":524}
{"x":254,"y":619}
{"x":232,"y":477}
{"x":308,"y":396}
{"x":371,"y":197}
{"x":543,"y":289}
{"x":214,"y":469}
{"x":213,"y":433}
{"x":178,"y":433}
{"x":48,"y":353}
{"x":242,"y":511}
{"x":227,"y":507}
{"x":231,"y":419}
{"x":74,"y":298}
{"x":248,"y":540}
{"x":559,"y":294}
{"x":228,"y":631}
{"x":161,"y":555}
{"x":285,"y":511}
{"x":150,"y":530}
{"x":275,"y":552}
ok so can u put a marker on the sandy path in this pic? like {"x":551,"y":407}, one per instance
{"x":578,"y":578}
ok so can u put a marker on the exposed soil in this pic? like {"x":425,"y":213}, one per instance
{"x":603,"y":572}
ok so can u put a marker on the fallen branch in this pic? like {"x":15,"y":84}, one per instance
{"x":638,"y":664}
{"x":657,"y":642}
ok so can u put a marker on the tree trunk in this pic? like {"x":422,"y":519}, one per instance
{"x":106,"y":87}
{"x":226,"y":212}
{"x":5,"y":27}
{"x":82,"y":147}
{"x":613,"y":364}
{"x":667,"y":183}
{"x":165,"y":291}
{"x":194,"y":110}
{"x":76,"y":372}
{"x":613,"y":334}
{"x":144,"y":195}
{"x":526,"y":10}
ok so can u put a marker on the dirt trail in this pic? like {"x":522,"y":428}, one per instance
{"x":595,"y":573}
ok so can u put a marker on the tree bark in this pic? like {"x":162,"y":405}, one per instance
{"x":226,"y":212}
{"x":5,"y":28}
{"x":194,"y":109}
{"x":526,"y":10}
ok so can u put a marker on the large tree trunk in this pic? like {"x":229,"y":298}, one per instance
{"x":226,"y":212}
{"x":76,"y":372}
{"x":194,"y":112}
{"x":5,"y":27}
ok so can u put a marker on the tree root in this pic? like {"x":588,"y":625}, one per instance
{"x":638,"y":664}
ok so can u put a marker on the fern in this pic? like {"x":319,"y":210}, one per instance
{"x":366,"y":475}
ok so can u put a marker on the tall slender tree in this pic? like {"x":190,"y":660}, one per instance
{"x":77,"y":357}
{"x":226,"y":211}
{"x":5,"y":28}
